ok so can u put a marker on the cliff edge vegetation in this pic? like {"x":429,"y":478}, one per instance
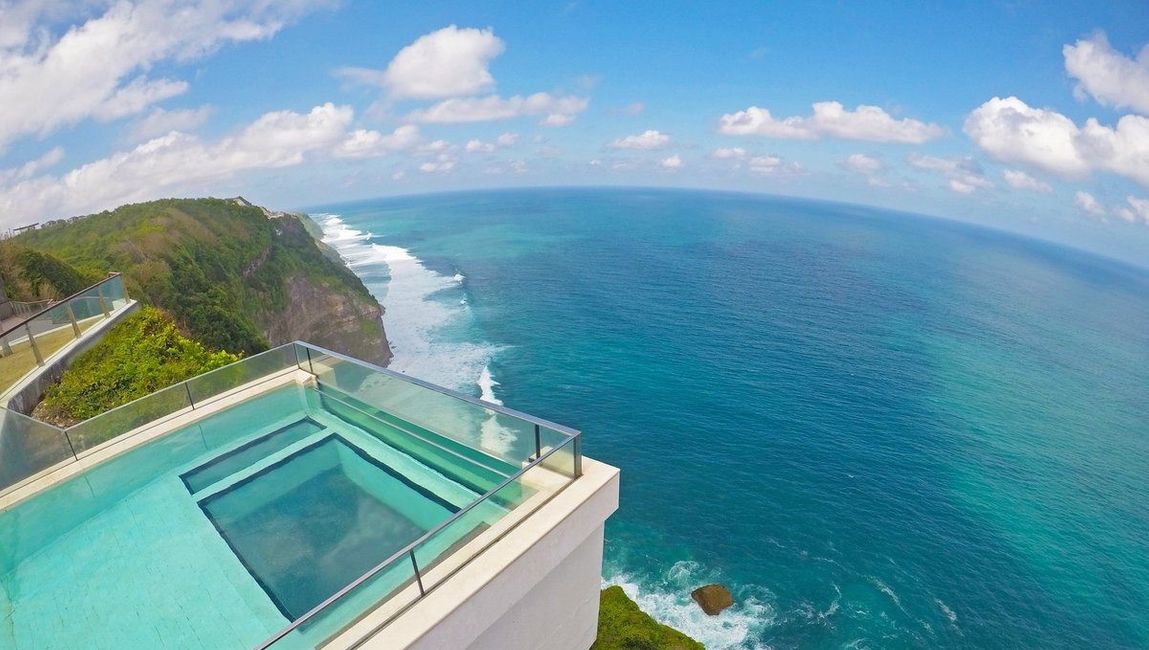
{"x":234,"y":276}
{"x":142,"y":354}
{"x":623,"y":626}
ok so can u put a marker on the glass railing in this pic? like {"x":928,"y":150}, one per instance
{"x":515,"y":462}
{"x":32,"y":341}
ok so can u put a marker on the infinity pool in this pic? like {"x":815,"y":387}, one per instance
{"x":221,"y":533}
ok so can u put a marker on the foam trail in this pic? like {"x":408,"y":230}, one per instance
{"x":418,"y":309}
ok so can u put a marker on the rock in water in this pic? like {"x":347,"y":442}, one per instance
{"x":712,"y":598}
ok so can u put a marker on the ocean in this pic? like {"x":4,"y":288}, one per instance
{"x":879,"y":430}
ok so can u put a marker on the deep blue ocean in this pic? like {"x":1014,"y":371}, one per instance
{"x":879,"y":430}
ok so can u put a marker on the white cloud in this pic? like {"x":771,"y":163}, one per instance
{"x":505,"y":140}
{"x":450,"y":62}
{"x":671,"y":162}
{"x":863,"y":164}
{"x":963,"y":175}
{"x":161,"y":122}
{"x":478,"y":146}
{"x":868,"y":166}
{"x":769,"y":165}
{"x":1088,"y":203}
{"x":363,"y":143}
{"x":729,"y":153}
{"x":1020,"y":180}
{"x":1137,"y":209}
{"x":649,"y":139}
{"x":100,"y":69}
{"x":830,"y":119}
{"x":1012,"y":131}
{"x":180,"y":164}
{"x":33,"y":167}
{"x":1108,"y":76}
{"x":557,"y":111}
{"x":764,"y":164}
{"x":439,"y":166}
{"x":637,"y":108}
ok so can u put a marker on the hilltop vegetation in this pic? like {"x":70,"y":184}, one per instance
{"x":30,"y":275}
{"x":232,"y":275}
{"x":142,"y":354}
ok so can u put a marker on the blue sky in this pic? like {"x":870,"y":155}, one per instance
{"x":1029,"y":117}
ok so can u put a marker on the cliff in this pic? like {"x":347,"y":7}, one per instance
{"x":235,"y":276}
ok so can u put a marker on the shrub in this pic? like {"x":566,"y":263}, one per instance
{"x":142,"y":354}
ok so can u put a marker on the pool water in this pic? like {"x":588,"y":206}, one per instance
{"x":221,"y":533}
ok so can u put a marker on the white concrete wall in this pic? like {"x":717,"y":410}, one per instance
{"x":537,"y":587}
{"x":559,"y":613}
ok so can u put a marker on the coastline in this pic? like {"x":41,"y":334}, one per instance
{"x":417,"y":303}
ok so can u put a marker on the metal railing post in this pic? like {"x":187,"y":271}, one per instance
{"x":418,"y":578}
{"x":538,"y":443}
{"x":103,"y":303}
{"x":188,"y":390}
{"x":35,"y":348}
{"x":577,"y":442}
{"x":72,"y":317}
{"x":7,"y":349}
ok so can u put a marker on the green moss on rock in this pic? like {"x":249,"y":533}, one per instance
{"x":623,"y":626}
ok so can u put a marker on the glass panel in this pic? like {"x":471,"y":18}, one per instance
{"x":258,"y":366}
{"x":28,"y":446}
{"x":505,"y":439}
{"x":563,"y":459}
{"x":393,"y":585}
{"x":132,"y":415}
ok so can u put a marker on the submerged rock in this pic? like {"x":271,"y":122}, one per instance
{"x":712,"y":598}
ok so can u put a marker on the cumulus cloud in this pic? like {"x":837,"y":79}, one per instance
{"x":868,"y":166}
{"x":671,"y":162}
{"x":963,"y":175}
{"x":649,"y":139}
{"x":830,"y":119}
{"x":1088,"y":203}
{"x":1107,"y":75}
{"x":364,"y":143}
{"x":100,"y":69}
{"x":161,"y":122}
{"x":1012,"y":131}
{"x":729,"y":153}
{"x":555,"y":111}
{"x":863,"y":164}
{"x":1020,"y":180}
{"x":183,"y":164}
{"x":450,"y":62}
{"x":505,"y":140}
{"x":1136,"y":209}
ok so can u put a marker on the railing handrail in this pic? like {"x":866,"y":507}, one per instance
{"x":410,"y":548}
{"x":565,"y":430}
{"x":111,"y":276}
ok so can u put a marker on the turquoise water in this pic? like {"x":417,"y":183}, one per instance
{"x":880,"y":430}
{"x":220,"y":533}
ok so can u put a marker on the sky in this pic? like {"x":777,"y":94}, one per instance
{"x":1024,"y":116}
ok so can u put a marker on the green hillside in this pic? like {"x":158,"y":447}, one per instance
{"x":234,"y":276}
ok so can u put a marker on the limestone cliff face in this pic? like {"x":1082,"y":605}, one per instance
{"x":334,"y":318}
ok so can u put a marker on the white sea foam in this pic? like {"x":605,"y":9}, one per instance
{"x":953,"y":617}
{"x":416,"y":318}
{"x":670,"y":603}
